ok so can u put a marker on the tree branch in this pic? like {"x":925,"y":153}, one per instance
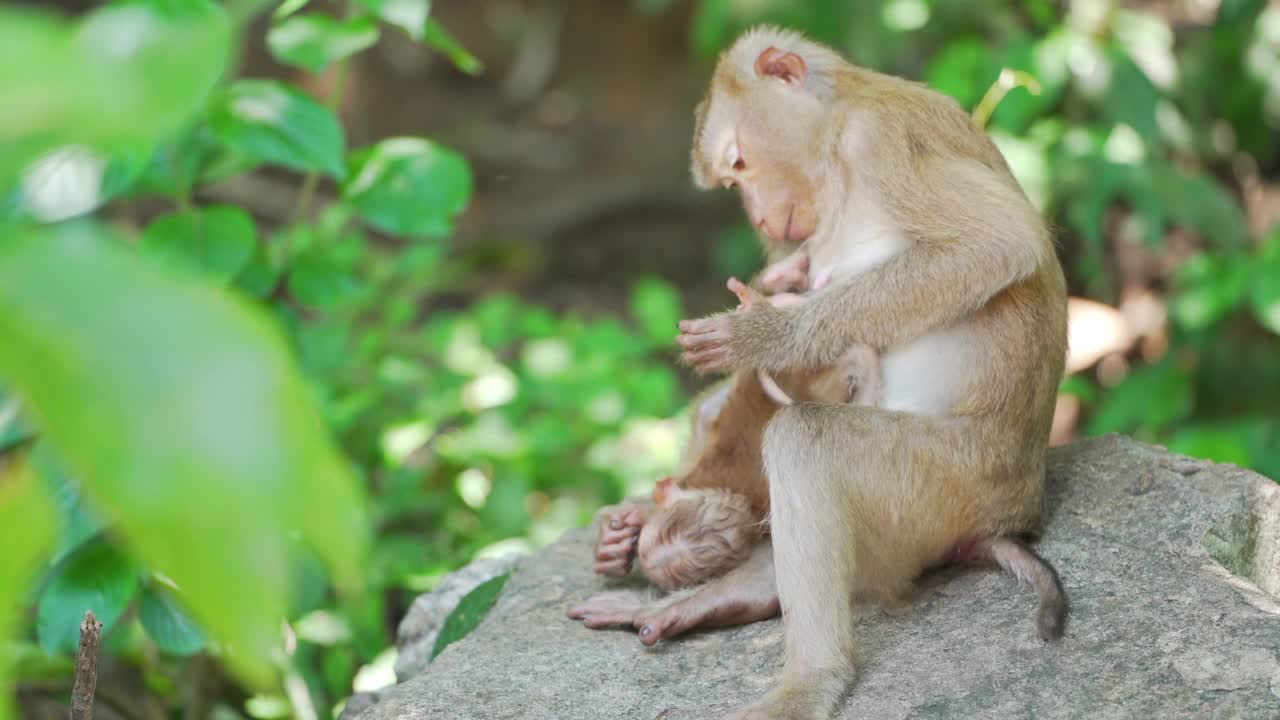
{"x":86,"y":669}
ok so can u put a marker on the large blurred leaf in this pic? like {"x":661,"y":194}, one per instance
{"x":95,"y":577}
{"x":216,"y":240}
{"x":315,"y":41}
{"x":274,"y":123}
{"x":470,"y":611}
{"x":408,"y":186}
{"x":26,"y":529}
{"x":124,"y":74}
{"x":167,"y":623}
{"x":179,"y":409}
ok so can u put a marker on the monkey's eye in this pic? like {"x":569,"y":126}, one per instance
{"x":739,"y":164}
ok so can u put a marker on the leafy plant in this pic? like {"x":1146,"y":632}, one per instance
{"x":170,"y":394}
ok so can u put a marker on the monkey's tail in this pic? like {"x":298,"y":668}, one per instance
{"x":771,"y":388}
{"x":1020,"y":561}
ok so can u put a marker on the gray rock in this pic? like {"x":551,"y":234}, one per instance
{"x":416,"y":636}
{"x":358,"y":703}
{"x":1158,"y":629}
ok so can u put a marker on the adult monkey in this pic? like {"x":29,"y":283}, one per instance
{"x":951,"y":276}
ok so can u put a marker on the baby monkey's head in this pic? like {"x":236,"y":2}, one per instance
{"x":695,"y":535}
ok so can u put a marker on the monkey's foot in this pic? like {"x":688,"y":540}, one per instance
{"x":652,"y":618}
{"x":619,"y":608}
{"x":711,"y":605}
{"x":813,"y":697}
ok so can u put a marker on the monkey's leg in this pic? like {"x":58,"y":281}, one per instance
{"x":861,"y":500}
{"x":743,"y":595}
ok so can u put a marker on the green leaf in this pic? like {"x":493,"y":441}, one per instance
{"x":95,"y":577}
{"x":408,"y":15}
{"x":437,"y":37}
{"x":167,"y":623}
{"x":316,"y":280}
{"x":1264,"y":294}
{"x":963,"y":70}
{"x":67,"y":84}
{"x":289,"y":7}
{"x":78,"y":523}
{"x":503,"y":512}
{"x":711,"y":27}
{"x":273,"y":123}
{"x":181,"y":411}
{"x":316,"y":41}
{"x":470,"y":611}
{"x":1198,"y":202}
{"x":217,"y":240}
{"x":408,"y":186}
{"x":1020,"y":106}
{"x":1149,"y":398}
{"x":262,"y":273}
{"x":26,"y":529}
{"x":1130,"y":98}
{"x":1209,"y":287}
{"x":656,"y":306}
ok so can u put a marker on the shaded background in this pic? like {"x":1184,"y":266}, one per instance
{"x":496,"y":383}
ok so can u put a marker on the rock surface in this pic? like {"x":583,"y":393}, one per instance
{"x":1158,"y":629}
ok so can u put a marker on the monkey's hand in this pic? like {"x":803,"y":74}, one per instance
{"x":791,"y":274}
{"x":721,"y":341}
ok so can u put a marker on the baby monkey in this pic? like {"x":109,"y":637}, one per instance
{"x":706,"y":522}
{"x":792,"y":281}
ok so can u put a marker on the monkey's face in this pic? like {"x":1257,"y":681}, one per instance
{"x":758,"y":135}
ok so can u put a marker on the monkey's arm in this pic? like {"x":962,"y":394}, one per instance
{"x":972,"y":233}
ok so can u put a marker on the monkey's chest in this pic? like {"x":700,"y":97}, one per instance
{"x":929,"y":375}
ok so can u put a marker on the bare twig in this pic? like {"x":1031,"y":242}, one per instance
{"x":86,"y":669}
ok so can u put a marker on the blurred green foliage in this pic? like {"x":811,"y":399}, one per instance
{"x":237,"y":421}
{"x":175,"y":389}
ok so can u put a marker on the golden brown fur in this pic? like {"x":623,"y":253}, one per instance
{"x":865,"y":498}
{"x":717,"y":510}
{"x":951,"y":276}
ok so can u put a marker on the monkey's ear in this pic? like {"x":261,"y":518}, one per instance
{"x":786,"y":66}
